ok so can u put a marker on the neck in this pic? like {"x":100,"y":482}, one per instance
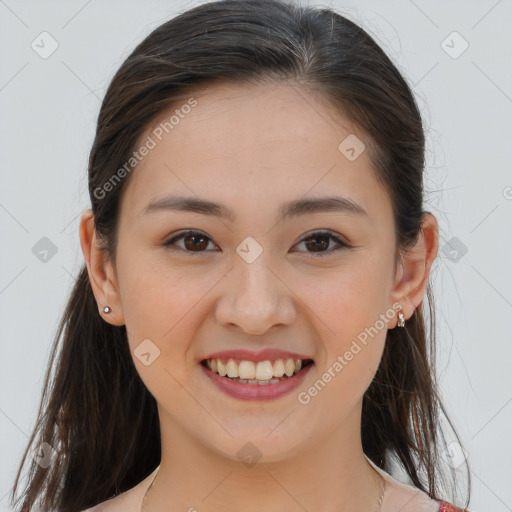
{"x":331,"y":475}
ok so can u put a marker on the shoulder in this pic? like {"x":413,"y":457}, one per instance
{"x":125,"y":502}
{"x":122,"y":502}
{"x":128,"y":501}
{"x":408,"y":498}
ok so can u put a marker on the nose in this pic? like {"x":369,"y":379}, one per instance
{"x":255,"y":299}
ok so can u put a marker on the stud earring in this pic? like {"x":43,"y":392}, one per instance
{"x":401,"y":319}
{"x":106,"y":309}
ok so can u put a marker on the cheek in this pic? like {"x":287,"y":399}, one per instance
{"x":158,"y":315}
{"x":161,"y":304}
{"x":351,"y":313}
{"x":352,"y":352}
{"x":348,"y":298}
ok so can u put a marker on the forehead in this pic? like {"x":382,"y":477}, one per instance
{"x":249,"y":145}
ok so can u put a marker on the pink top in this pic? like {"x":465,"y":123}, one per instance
{"x":447,"y":507}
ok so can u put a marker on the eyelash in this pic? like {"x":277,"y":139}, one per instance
{"x":329,"y":234}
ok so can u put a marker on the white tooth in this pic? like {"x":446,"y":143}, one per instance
{"x":252,"y":381}
{"x":221,"y":369}
{"x":255,"y":372}
{"x":232,"y":369}
{"x":289,"y":367}
{"x":278,"y":368}
{"x":264,"y":370}
{"x":246,"y":370}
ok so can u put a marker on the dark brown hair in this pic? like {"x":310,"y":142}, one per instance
{"x":95,"y":411}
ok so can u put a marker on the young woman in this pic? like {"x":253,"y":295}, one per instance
{"x":248,"y":330}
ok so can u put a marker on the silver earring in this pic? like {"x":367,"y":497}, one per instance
{"x":106,"y":309}
{"x":401,"y":319}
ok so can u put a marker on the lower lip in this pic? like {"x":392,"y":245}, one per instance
{"x":256,"y":391}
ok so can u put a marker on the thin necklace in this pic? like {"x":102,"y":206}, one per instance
{"x":383,"y":487}
{"x":151,"y":485}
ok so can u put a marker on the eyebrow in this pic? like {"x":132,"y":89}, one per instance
{"x":288,"y":210}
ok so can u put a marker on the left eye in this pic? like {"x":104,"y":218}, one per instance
{"x":321,"y":240}
{"x":196,"y":242}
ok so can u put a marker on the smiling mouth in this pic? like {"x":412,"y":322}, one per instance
{"x":260,"y":373}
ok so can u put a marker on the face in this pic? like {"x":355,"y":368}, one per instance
{"x":255,"y":279}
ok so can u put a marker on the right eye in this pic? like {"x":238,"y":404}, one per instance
{"x":194,"y":241}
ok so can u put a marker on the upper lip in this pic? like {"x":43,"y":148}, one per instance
{"x":267,"y":354}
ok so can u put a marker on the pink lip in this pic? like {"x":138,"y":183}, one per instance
{"x":256,"y":391}
{"x":267,"y":354}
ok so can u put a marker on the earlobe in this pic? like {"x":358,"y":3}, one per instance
{"x":413,"y":272}
{"x":101,"y":272}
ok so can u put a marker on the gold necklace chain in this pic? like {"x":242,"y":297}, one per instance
{"x":383,"y":487}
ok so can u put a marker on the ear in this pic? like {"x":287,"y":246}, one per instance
{"x":411,"y":277}
{"x":101,"y":271}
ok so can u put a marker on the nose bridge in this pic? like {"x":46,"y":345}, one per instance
{"x":255,"y":281}
{"x":255,"y":295}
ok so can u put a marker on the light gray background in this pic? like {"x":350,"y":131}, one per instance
{"x":48,"y":112}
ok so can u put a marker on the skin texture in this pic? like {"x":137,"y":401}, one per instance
{"x":253,"y":148}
